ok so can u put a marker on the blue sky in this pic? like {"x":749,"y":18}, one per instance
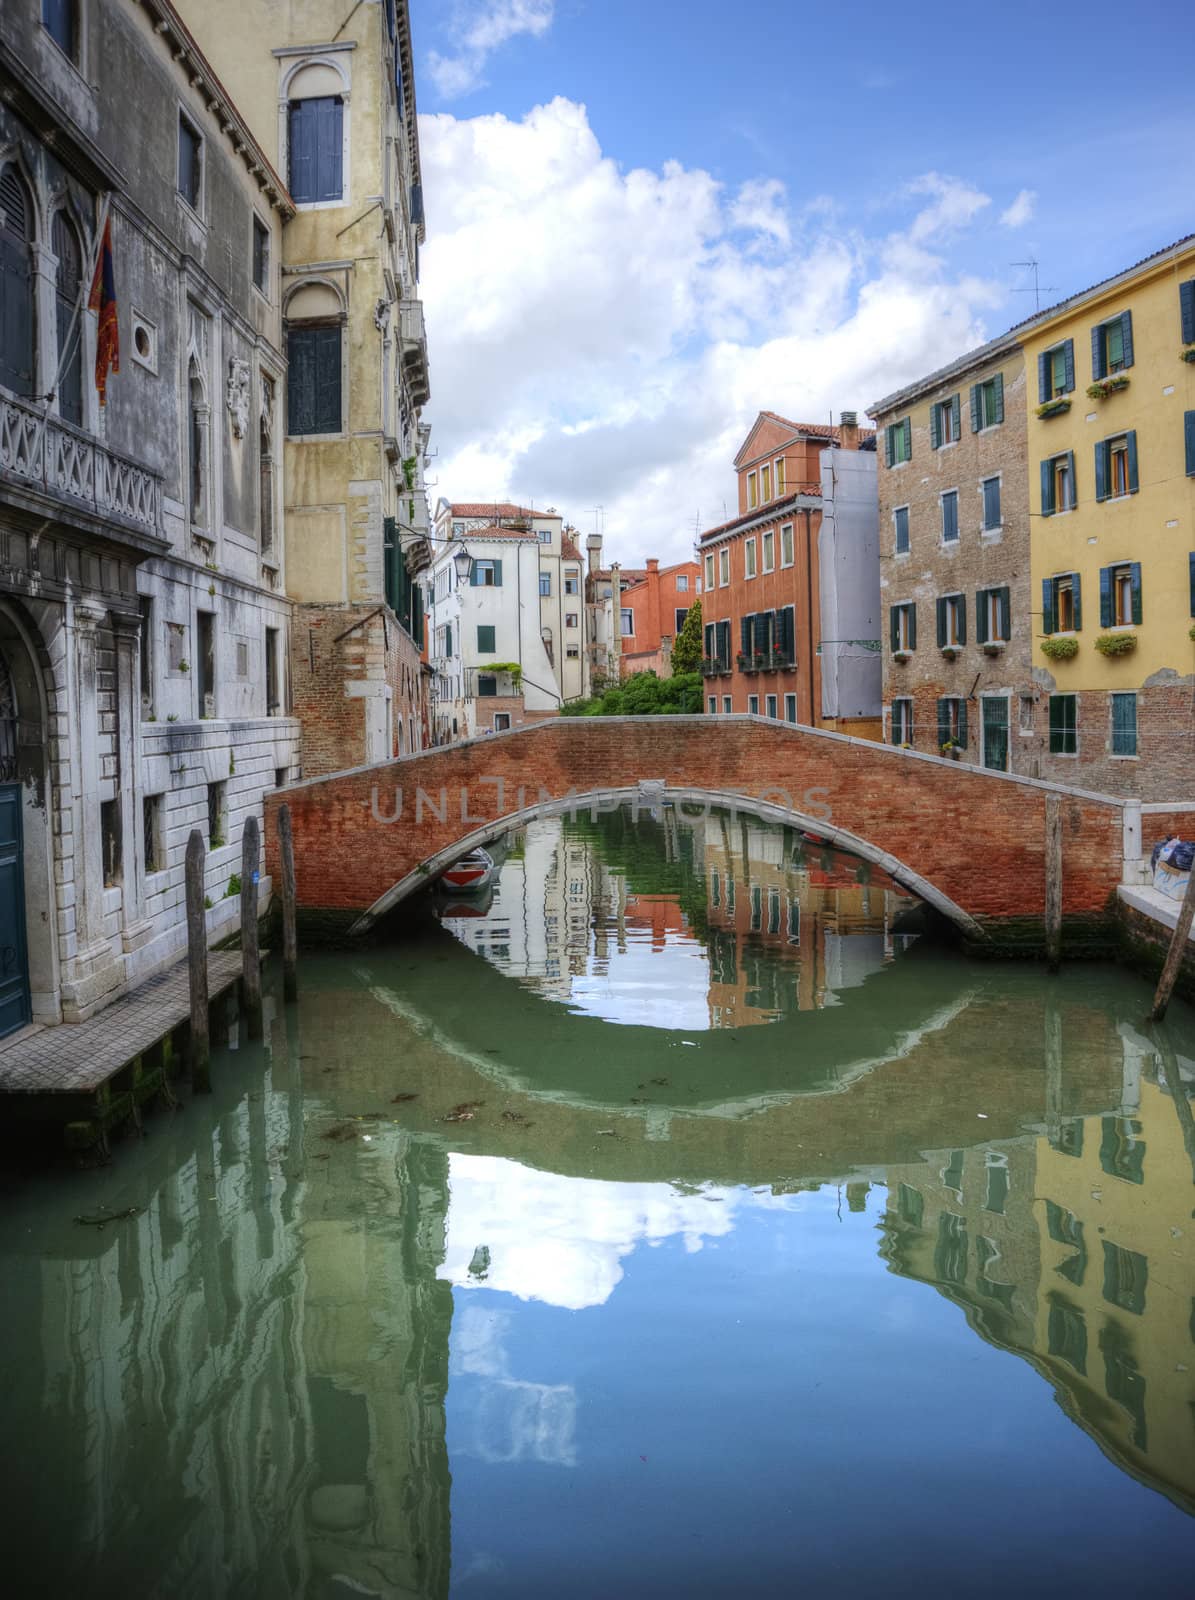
{"x":648,"y":221}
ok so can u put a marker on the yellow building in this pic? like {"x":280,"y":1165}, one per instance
{"x":332,"y":100}
{"x":1111,"y":460}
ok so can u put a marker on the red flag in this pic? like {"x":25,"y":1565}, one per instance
{"x":103,"y":300}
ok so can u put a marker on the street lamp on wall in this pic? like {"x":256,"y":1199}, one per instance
{"x":463,"y":562}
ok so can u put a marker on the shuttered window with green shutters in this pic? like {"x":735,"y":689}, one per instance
{"x":992,"y":616}
{"x":1116,"y":466}
{"x":987,"y":403}
{"x":1124,"y":724}
{"x":898,"y":442}
{"x":1191,"y":578}
{"x":1064,"y":732}
{"x":900,"y":517}
{"x":315,"y":149}
{"x":1058,"y":484}
{"x":902,"y":626}
{"x":902,"y":722}
{"x":486,"y":575}
{"x":952,"y":721}
{"x":944,"y":425}
{"x":950,"y":516}
{"x":952,"y":621}
{"x":313,"y":380}
{"x":1112,"y":346}
{"x":1120,"y":595}
{"x":485,"y":639}
{"x":1061,"y":603}
{"x":1186,"y":310}
{"x":991,"y":505}
{"x":1189,"y":441}
{"x":1056,"y":371}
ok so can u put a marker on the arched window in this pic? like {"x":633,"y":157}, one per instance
{"x":8,"y":724}
{"x":197,"y":412}
{"x":17,"y":343}
{"x":70,"y":321}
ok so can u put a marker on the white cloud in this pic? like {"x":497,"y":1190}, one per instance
{"x":1021,"y":210}
{"x":483,"y":26}
{"x":605,"y":337}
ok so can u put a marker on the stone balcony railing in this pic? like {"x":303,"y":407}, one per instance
{"x":413,"y":335}
{"x":41,"y":452}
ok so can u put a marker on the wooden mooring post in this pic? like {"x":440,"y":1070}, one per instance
{"x":250,"y":954}
{"x":1174,"y":956}
{"x":290,"y":946}
{"x":1053,"y":881}
{"x":200,"y":1046}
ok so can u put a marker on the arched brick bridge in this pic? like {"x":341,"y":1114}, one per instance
{"x":970,"y":842}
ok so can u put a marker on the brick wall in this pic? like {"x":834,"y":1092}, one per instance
{"x":977,"y":838}
{"x":1164,"y":767}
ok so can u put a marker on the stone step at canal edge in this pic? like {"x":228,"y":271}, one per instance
{"x":92,"y":1077}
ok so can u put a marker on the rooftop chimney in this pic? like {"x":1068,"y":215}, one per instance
{"x":653,"y":563}
{"x":848,"y":430}
{"x":593,"y":550}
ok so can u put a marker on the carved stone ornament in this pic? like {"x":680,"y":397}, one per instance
{"x":238,"y":395}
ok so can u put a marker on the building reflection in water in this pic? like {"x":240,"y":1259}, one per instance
{"x":704,"y":921}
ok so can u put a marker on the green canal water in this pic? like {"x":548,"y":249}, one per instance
{"x":672,"y":1221}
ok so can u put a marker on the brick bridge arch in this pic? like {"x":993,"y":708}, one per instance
{"x":969,"y":842}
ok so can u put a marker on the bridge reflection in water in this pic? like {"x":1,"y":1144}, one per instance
{"x":267,"y":1380}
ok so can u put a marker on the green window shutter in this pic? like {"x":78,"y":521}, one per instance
{"x":935,"y":427}
{"x":941,"y":623}
{"x":1105,"y":597}
{"x":1043,"y":378}
{"x":888,"y":445}
{"x":474,"y":577}
{"x":1069,"y":357}
{"x":486,"y":642}
{"x":954,"y":416}
{"x":1077,"y":590}
{"x":1005,"y":599}
{"x":1191,"y":576}
{"x":913,"y":625}
{"x":981,"y":616}
{"x":894,"y":618}
{"x":943,"y":721}
{"x":1131,"y":438}
{"x":1047,"y":488}
{"x":1057,"y":725}
{"x":448,"y":638}
{"x":1126,"y":333}
{"x":745,"y":635}
{"x":1186,"y":308}
{"x":907,"y":425}
{"x":998,"y":381}
{"x":1101,"y":470}
{"x":1070,"y":461}
{"x":962,"y":619}
{"x":1047,"y":605}
{"x":975,"y":419}
{"x":497,"y":574}
{"x":1189,"y":438}
{"x":1135,"y":583}
{"x":1098,"y":368}
{"x":707,"y":635}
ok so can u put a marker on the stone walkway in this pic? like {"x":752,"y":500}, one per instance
{"x":78,"y":1057}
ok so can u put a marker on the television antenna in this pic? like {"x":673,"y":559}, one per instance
{"x":1036,"y":291}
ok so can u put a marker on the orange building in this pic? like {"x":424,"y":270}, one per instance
{"x":652,"y":612}
{"x":791,"y":586}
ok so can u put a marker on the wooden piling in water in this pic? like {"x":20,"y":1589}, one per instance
{"x":1053,"y":881}
{"x":1174,"y":956}
{"x":290,"y":961}
{"x":250,"y":954}
{"x":200,"y":1054}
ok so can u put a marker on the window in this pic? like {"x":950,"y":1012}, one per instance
{"x":261,"y":256}
{"x":153,"y":840}
{"x":711,"y":705}
{"x":987,"y":403}
{"x":790,"y":708}
{"x":679,"y":614}
{"x":215,"y":815}
{"x":992,"y":616}
{"x":313,"y":382}
{"x":487,"y":686}
{"x":1124,"y":724}
{"x":59,"y":19}
{"x":769,"y":551}
{"x":950,"y":516}
{"x":1112,"y":346}
{"x":771,"y":706}
{"x":786,"y":544}
{"x":995,"y":731}
{"x":902,"y":722}
{"x":765,"y":484}
{"x":991,"y":504}
{"x":902,"y":626}
{"x":1116,"y":466}
{"x":749,"y":558}
{"x":723,"y":567}
{"x":570,"y":619}
{"x":682,"y":583}
{"x":545,"y":536}
{"x":315,"y":142}
{"x":727,"y":704}
{"x":996,"y":1165}
{"x":273,"y":697}
{"x":952,"y":621}
{"x":781,"y":476}
{"x":486,"y":574}
{"x":752,"y":493}
{"x":1120,"y":595}
{"x":1066,"y":1332}
{"x":176,"y":647}
{"x":1064,"y":735}
{"x":900,"y":530}
{"x":1058,"y":484}
{"x":67,"y":275}
{"x":626,"y":618}
{"x":110,"y":841}
{"x":952,"y":721}
{"x":709,"y":570}
{"x":773,"y":910}
{"x":17,"y":315}
{"x":1056,"y":371}
{"x":1126,"y":1274}
{"x":501,"y":722}
{"x":571,"y":585}
{"x":190,"y":164}
{"x":205,"y":664}
{"x":545,"y":584}
{"x":145,"y":606}
{"x":944,"y":422}
{"x":898,"y":442}
{"x":1061,"y":604}
{"x":753,"y":705}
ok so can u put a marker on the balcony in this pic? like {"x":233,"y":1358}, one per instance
{"x":74,"y":471}
{"x":413,"y":336}
{"x":715,"y":667}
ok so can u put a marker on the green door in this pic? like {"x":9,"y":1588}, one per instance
{"x":995,"y":732}
{"x":14,"y":976}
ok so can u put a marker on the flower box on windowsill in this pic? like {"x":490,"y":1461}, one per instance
{"x":1101,"y":389}
{"x":1054,"y":408}
{"x":1189,"y":353}
{"x":902,"y":656}
{"x":994,"y":647}
{"x":951,"y":652}
{"x":1116,"y":644}
{"x":950,"y":749}
{"x":1060,"y":649}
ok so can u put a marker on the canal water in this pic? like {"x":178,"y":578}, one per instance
{"x":670,"y":1220}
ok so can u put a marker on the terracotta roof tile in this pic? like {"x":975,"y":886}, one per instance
{"x":568,"y":548}
{"x":491,"y":508}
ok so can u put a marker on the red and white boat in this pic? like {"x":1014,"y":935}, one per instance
{"x":470,"y":875}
